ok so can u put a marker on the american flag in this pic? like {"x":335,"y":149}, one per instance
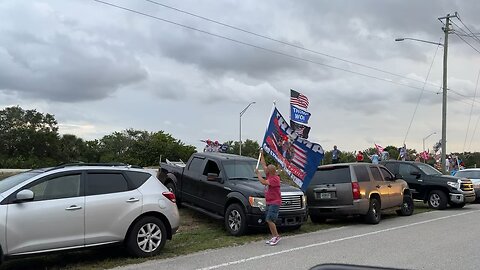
{"x":298,"y":99}
{"x":425,"y":155}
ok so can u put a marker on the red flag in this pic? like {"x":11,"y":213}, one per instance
{"x":379,"y":148}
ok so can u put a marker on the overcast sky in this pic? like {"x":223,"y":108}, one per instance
{"x":101,"y":69}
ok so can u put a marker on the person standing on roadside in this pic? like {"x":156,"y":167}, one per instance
{"x":273,"y":197}
{"x":360,"y":156}
{"x":335,"y":155}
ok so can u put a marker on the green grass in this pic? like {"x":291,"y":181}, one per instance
{"x":197,"y":233}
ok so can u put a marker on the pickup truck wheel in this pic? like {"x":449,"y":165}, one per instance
{"x":407,"y":207}
{"x":457,"y":205}
{"x":317,"y":219}
{"x":437,"y":200}
{"x":171,"y":187}
{"x":147,"y":237}
{"x":374,"y":214}
{"x":235,"y":220}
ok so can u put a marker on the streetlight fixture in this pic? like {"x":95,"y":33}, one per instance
{"x":424,"y":141}
{"x":240,"y":133}
{"x":446,"y":29}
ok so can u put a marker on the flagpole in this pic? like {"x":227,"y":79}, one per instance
{"x":268,"y":123}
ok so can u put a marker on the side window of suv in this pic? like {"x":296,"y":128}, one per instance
{"x":405,"y":169}
{"x":103,"y":183}
{"x":386,"y":174}
{"x":65,"y":186}
{"x":362,"y":173}
{"x":376,"y":174}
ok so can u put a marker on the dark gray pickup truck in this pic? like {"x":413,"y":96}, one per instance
{"x":224,"y":186}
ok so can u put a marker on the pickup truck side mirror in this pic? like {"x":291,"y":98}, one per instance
{"x":213,"y":177}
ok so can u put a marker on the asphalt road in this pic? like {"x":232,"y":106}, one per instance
{"x":446,"y":239}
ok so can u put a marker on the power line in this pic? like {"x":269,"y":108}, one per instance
{"x":473,"y":35}
{"x":460,"y":37}
{"x":471,"y":111}
{"x":421,"y":94}
{"x":476,"y":124}
{"x":260,"y":47}
{"x":285,"y":43}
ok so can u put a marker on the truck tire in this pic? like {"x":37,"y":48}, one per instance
{"x":374,"y":214}
{"x":171,"y":187}
{"x":317,"y":219}
{"x":147,"y":237}
{"x":407,"y":207}
{"x":457,"y":205}
{"x":235,"y":220}
{"x":437,"y":200}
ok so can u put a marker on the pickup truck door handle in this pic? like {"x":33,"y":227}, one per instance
{"x":420,"y":180}
{"x":378,"y":186}
{"x":133,"y":200}
{"x":73,"y":207}
{"x":389,"y":185}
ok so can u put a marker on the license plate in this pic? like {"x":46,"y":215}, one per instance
{"x":325,"y":196}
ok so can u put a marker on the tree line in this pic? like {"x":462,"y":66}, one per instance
{"x":30,"y":139}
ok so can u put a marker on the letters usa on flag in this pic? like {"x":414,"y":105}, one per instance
{"x":298,"y":99}
{"x":298,"y":157}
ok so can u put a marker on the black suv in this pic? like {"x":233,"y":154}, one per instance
{"x":356,"y":189}
{"x":429,"y":185}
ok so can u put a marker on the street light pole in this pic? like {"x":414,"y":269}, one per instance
{"x":447,"y":31}
{"x":240,"y":133}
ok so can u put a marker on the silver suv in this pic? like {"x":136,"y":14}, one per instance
{"x":84,"y":205}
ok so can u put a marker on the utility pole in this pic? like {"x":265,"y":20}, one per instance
{"x":446,"y":30}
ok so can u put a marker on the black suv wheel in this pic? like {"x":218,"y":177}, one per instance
{"x":407,"y":207}
{"x":437,"y":200}
{"x":235,"y":220}
{"x":374,"y":212}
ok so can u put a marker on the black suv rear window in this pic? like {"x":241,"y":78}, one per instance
{"x":332,"y":175}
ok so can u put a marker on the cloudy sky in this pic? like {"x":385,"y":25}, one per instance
{"x":101,"y":69}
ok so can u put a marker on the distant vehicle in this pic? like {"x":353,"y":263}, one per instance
{"x":85,"y":205}
{"x":356,"y":189}
{"x":474,"y":176}
{"x":431,"y":186}
{"x":224,"y":186}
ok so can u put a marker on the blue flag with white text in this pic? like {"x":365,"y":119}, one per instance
{"x":298,"y":115}
{"x":298,"y":157}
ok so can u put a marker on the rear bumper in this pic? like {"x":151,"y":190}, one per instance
{"x":285,"y":219}
{"x":359,"y":207}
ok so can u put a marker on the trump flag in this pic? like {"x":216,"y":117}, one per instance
{"x":298,"y":157}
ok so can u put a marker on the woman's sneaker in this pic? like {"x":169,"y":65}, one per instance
{"x":268,"y":241}
{"x":274,"y":241}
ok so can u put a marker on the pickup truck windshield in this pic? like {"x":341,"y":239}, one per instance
{"x":428,"y":170}
{"x":468,"y":174}
{"x":240,"y":169}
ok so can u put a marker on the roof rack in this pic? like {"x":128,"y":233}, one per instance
{"x":106,"y":164}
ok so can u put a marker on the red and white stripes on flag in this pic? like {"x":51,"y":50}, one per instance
{"x":299,"y":156}
{"x":379,"y":148}
{"x":298,"y":99}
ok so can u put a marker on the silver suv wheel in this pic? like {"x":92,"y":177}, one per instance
{"x":234,"y":220}
{"x":149,"y":237}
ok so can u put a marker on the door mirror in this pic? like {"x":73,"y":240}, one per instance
{"x":25,"y":195}
{"x":212,"y":177}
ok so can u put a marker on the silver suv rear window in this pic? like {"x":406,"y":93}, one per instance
{"x":332,"y":175}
